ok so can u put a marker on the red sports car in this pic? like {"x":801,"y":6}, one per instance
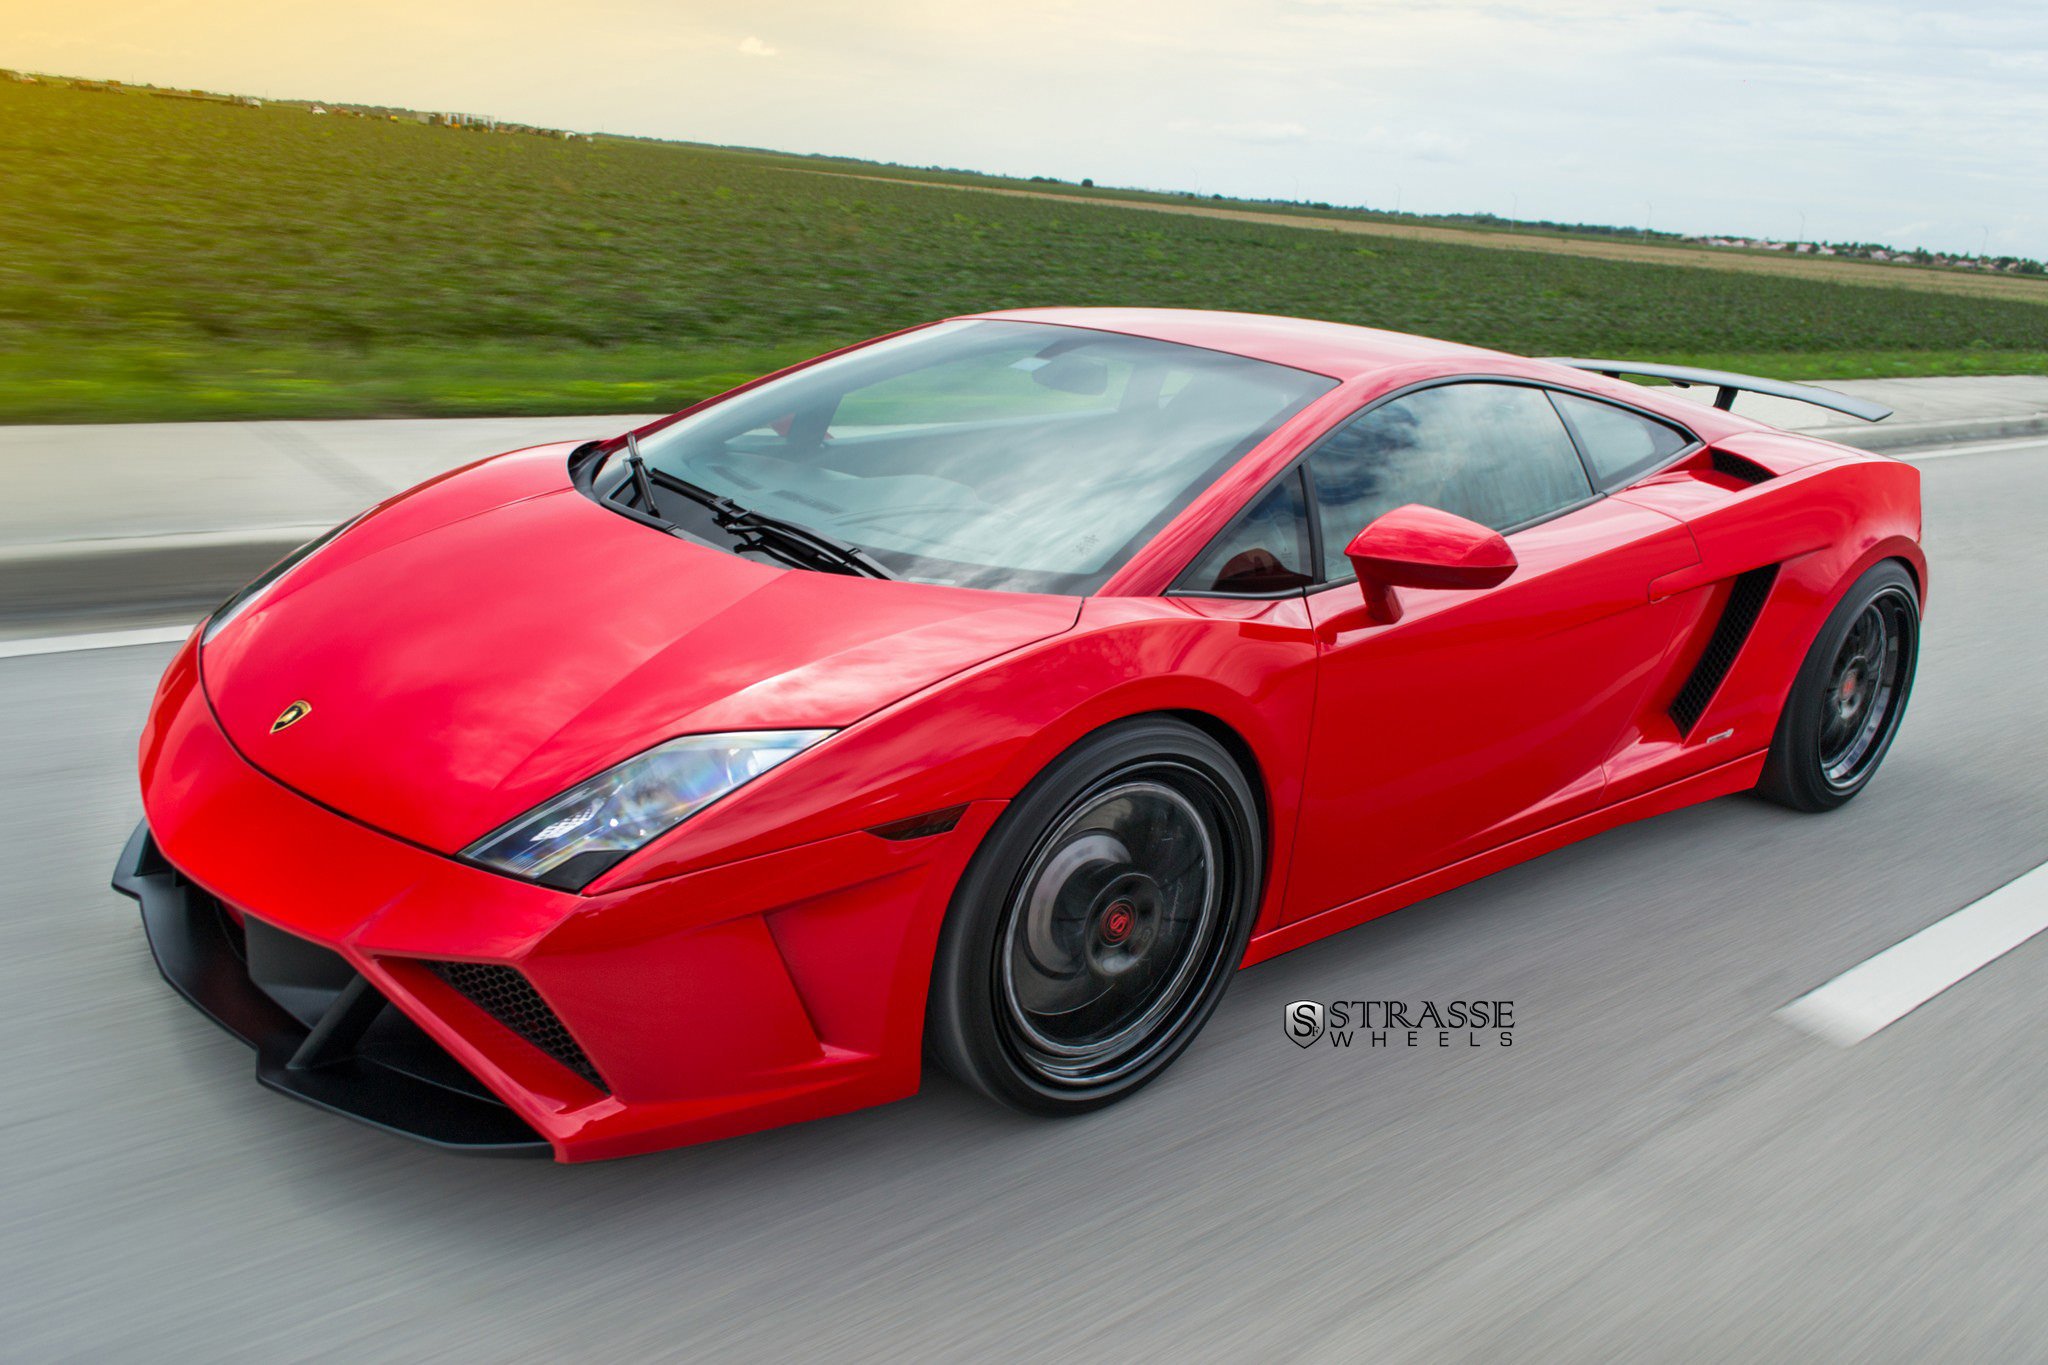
{"x":992,"y":690}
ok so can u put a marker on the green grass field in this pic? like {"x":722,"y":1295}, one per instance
{"x":163,"y":259}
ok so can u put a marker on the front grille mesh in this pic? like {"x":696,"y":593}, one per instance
{"x":510,"y":998}
{"x":1738,"y":617}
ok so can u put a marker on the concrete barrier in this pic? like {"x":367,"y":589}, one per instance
{"x":1890,"y":437}
{"x":170,"y":576}
{"x":332,"y":470}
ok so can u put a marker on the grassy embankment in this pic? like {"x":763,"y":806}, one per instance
{"x":163,"y":259}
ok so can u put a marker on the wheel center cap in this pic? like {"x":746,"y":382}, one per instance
{"x":1117,"y":921}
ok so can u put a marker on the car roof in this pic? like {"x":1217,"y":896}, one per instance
{"x":1336,"y":349}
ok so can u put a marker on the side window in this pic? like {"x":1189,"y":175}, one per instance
{"x":1620,"y":445}
{"x":1265,"y":550}
{"x":1495,"y":453}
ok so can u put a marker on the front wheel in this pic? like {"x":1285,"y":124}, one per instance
{"x":1099,"y":925}
{"x":1845,"y":706}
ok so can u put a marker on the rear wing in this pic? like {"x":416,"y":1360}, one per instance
{"x":1685,"y":376}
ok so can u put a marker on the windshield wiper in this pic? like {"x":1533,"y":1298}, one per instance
{"x":791,"y":541}
{"x":636,"y":482}
{"x":639,"y":468}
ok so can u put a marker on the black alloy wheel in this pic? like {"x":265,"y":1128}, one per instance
{"x":1100,"y":922}
{"x":1845,"y":705}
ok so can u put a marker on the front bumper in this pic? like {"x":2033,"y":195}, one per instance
{"x":358,"y":1057}
{"x":514,"y":1017}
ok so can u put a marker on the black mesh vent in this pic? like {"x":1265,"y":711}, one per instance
{"x":1738,"y":618}
{"x":509,"y":998}
{"x":1735,"y":467}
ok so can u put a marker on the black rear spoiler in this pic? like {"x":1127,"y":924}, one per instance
{"x":1685,"y":376}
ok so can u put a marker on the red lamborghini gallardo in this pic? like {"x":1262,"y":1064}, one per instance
{"x":990,"y":691}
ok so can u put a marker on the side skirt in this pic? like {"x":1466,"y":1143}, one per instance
{"x":1737,"y":775}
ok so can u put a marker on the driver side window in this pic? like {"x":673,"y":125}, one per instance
{"x":1496,"y":454}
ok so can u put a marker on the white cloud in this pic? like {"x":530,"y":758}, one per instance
{"x":1414,"y":143}
{"x":1256,"y":130}
{"x":753,"y":47}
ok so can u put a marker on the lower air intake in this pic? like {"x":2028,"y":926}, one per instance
{"x":1731,"y":632}
{"x":509,"y":998}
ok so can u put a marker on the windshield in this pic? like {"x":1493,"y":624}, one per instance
{"x":1014,"y":455}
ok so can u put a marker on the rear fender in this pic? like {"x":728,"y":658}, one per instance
{"x":1823,"y":525}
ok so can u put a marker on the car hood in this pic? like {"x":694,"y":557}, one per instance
{"x":460,"y":664}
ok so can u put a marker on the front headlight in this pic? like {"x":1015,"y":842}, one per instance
{"x":568,"y":841}
{"x":262,"y":583}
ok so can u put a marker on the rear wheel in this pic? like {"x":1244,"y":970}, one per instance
{"x":1099,"y":925}
{"x":1845,"y":706}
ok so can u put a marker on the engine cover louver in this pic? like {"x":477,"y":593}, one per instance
{"x":1738,"y":617}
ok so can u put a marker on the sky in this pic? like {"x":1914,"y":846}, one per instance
{"x":1921,"y":124}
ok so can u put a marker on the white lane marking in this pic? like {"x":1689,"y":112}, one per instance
{"x":110,"y":639}
{"x":1913,"y":971}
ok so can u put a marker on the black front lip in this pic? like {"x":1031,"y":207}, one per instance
{"x":194,"y":944}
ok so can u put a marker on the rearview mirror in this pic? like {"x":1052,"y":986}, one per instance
{"x":1074,"y":374}
{"x":1425,"y":547}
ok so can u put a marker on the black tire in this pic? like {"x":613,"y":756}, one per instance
{"x":1100,"y":921}
{"x":1845,"y":705}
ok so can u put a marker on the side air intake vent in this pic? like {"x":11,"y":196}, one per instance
{"x":1736,"y":467}
{"x":509,"y":998}
{"x":1738,"y":618}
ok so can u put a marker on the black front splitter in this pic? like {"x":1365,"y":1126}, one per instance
{"x":360,"y":1058}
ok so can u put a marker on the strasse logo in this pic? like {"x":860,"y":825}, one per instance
{"x":1305,"y":1021}
{"x":1399,"y":1023}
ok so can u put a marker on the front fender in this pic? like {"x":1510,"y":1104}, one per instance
{"x":983,"y":734}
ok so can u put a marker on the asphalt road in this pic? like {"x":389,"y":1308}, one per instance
{"x":1658,"y":1167}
